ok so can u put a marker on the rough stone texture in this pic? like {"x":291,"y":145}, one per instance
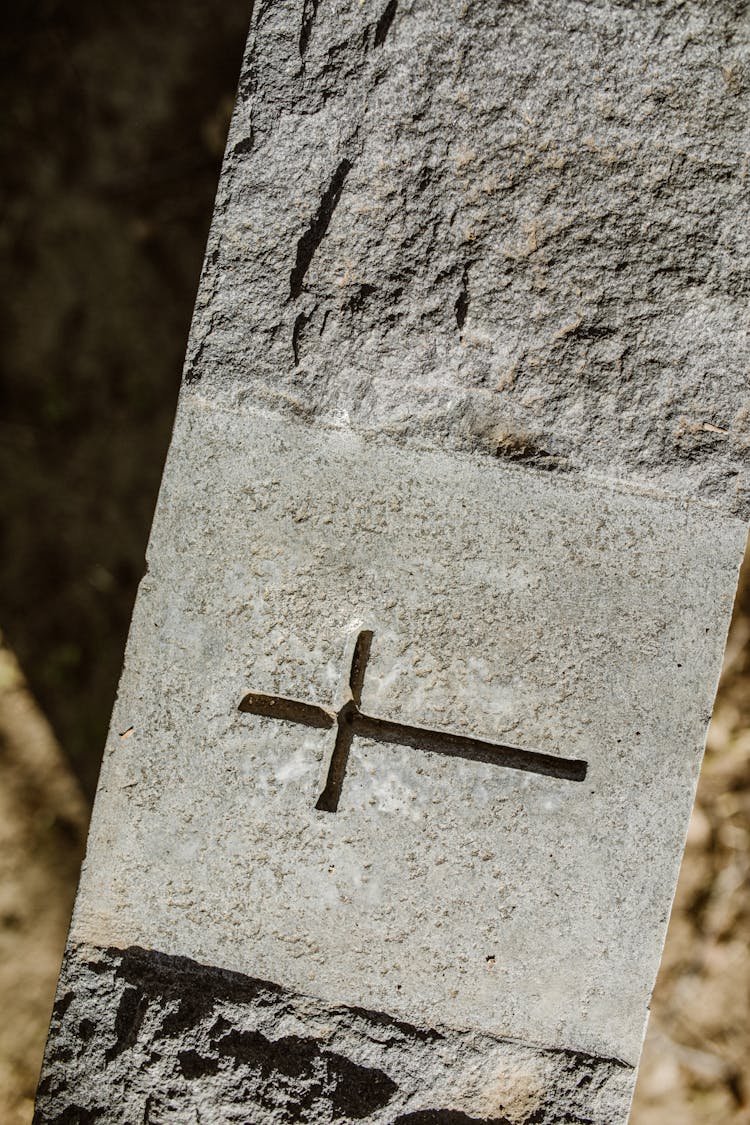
{"x":177,"y":1034}
{"x":447,"y":238}
{"x":519,"y":228}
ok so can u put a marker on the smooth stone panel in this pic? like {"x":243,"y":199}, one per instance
{"x":548,"y":613}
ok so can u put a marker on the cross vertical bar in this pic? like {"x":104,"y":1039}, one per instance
{"x":328,"y":801}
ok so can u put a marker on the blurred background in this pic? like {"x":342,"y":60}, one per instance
{"x":113,"y":125}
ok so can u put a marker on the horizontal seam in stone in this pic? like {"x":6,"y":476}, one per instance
{"x":620,"y":485}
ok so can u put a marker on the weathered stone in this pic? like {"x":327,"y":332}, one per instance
{"x":453,"y":247}
{"x":519,"y":230}
{"x":243,"y":1050}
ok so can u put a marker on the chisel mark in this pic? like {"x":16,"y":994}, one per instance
{"x":316,"y":232}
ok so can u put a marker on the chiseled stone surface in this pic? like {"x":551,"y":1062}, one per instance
{"x":240,"y":1050}
{"x":520,"y":228}
{"x":455,"y":245}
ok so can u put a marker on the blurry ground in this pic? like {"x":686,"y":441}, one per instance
{"x":114,"y":118}
{"x":42,"y":830}
{"x":696,"y":1065}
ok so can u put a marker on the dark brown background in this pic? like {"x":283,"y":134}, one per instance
{"x":114,"y":118}
{"x":113,"y":123}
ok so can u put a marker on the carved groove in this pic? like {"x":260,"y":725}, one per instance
{"x":461,"y":306}
{"x":309,"y":12}
{"x":350,"y":721}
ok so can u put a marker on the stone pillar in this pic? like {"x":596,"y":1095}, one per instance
{"x":418,"y":679}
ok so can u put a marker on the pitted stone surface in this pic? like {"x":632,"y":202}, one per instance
{"x":508,"y":605}
{"x":170,"y":1033}
{"x":518,"y":228}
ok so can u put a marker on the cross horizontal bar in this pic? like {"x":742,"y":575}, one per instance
{"x":461,"y":746}
{"x":276,"y":707}
{"x":421,"y":738}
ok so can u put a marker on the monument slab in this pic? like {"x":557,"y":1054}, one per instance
{"x":419,"y":675}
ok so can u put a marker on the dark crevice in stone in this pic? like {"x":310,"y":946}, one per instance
{"x":461,"y":306}
{"x":359,"y":299}
{"x":130,"y":1013}
{"x":384,"y":23}
{"x":309,"y":12}
{"x":63,"y":1003}
{"x":406,"y":1030}
{"x":297,"y":331}
{"x":74,"y":1115}
{"x":316,"y":232}
{"x":195,"y":1065}
{"x":447,"y":1117}
{"x":244,"y":144}
{"x":355,"y":1091}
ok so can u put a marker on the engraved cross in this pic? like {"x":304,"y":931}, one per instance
{"x":350,"y":721}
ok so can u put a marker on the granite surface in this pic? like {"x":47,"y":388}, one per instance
{"x":516,"y":228}
{"x":183,"y":1042}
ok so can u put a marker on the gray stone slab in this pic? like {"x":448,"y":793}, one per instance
{"x":463,"y":430}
